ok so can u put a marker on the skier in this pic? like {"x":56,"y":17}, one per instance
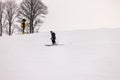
{"x":53,"y":37}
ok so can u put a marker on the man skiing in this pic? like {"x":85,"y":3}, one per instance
{"x":53,"y":37}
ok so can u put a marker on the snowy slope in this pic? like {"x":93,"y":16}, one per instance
{"x":85,"y":55}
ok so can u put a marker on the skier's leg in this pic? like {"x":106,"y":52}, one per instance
{"x":53,"y":41}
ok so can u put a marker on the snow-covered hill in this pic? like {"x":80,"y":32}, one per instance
{"x":84,"y":55}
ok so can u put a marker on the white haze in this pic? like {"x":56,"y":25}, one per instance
{"x":81,"y":14}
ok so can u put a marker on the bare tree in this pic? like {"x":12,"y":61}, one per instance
{"x":11,"y":10}
{"x":33,"y":11}
{"x":1,"y":17}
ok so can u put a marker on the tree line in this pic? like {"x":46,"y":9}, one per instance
{"x":12,"y":14}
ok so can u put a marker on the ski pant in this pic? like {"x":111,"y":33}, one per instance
{"x":53,"y":41}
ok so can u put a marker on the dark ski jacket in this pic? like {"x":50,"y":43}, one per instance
{"x":53,"y":36}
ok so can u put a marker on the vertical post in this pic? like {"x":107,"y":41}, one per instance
{"x":23,"y":25}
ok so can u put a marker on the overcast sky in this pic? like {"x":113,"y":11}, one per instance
{"x":81,"y":14}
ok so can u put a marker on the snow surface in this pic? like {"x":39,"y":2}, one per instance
{"x":85,"y":55}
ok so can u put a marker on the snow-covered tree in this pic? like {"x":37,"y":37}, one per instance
{"x":33,"y":11}
{"x":11,"y":10}
{"x":1,"y":17}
